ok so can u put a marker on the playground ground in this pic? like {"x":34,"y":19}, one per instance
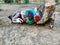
{"x":17,"y":34}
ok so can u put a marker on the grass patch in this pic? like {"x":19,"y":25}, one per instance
{"x":0,"y":9}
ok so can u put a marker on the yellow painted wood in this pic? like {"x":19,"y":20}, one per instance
{"x":35,"y":0}
{"x":15,"y":1}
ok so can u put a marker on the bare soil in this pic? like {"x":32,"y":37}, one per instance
{"x":22,"y":34}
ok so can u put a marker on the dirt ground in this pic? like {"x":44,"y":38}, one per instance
{"x":17,"y":34}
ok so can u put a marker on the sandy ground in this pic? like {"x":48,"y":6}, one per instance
{"x":17,"y":34}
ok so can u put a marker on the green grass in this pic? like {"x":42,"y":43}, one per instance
{"x":0,"y":9}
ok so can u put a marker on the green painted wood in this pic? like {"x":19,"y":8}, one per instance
{"x":24,"y":2}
